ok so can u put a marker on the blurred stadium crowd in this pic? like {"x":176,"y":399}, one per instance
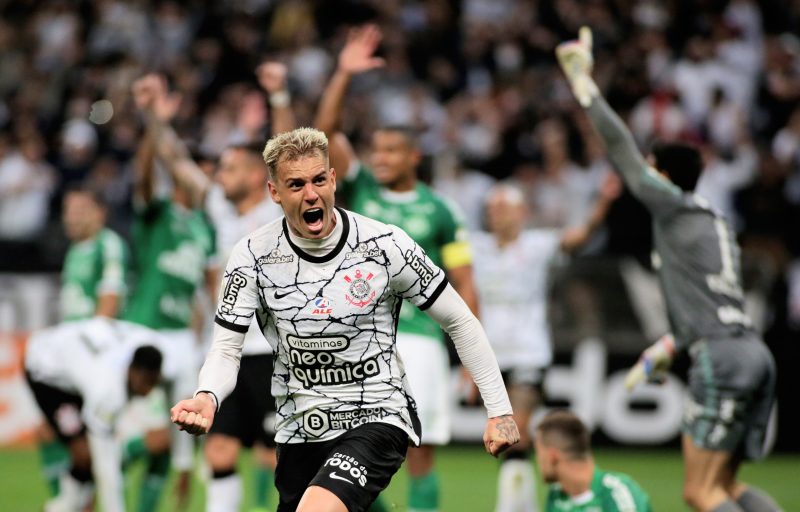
{"x":476,"y":78}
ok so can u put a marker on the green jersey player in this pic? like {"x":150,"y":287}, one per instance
{"x":173,"y":259}
{"x":173,"y":246}
{"x":564,"y":457}
{"x":93,"y":277}
{"x":391,"y":193}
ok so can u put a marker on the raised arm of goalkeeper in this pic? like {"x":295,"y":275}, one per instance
{"x":655,"y":191}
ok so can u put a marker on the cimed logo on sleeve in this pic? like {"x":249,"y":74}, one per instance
{"x":360,"y":292}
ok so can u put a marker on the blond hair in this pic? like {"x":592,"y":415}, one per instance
{"x":293,"y":145}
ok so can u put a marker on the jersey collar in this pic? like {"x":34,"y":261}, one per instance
{"x":327,"y":257}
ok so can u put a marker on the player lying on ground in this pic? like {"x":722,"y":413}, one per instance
{"x":732,"y":377}
{"x":82,"y":375}
{"x":326,"y":285}
{"x":564,"y":458}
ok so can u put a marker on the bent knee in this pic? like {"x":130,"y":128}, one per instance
{"x":221,"y":452}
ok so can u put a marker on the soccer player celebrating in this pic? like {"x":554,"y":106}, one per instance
{"x":732,"y":377}
{"x":391,"y":193}
{"x":512,"y":267}
{"x":237,"y":204}
{"x":564,"y":457}
{"x":326,"y":286}
{"x":77,"y":373}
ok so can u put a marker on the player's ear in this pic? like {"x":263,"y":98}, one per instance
{"x":273,"y":192}
{"x":333,"y":178}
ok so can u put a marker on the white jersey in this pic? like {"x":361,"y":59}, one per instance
{"x":512,"y":284}
{"x":231,"y":227}
{"x":90,"y":358}
{"x":332,"y":320}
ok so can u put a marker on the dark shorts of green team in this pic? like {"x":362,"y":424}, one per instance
{"x":732,"y":391}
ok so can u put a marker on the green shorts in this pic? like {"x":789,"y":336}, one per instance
{"x":732,"y":389}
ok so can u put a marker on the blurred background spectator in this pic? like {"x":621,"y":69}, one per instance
{"x":476,"y":78}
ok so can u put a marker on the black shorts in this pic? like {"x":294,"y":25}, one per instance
{"x":248,"y":413}
{"x":61,"y":409}
{"x":355,"y":466}
{"x":732,"y":390}
{"x":530,"y":376}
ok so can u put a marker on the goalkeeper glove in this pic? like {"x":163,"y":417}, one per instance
{"x":575,"y":58}
{"x":653,"y":363}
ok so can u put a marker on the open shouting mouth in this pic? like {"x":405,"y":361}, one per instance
{"x":313,"y":219}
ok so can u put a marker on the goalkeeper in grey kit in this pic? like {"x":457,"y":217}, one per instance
{"x":732,"y":373}
{"x":326,"y":286}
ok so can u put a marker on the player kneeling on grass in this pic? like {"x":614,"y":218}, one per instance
{"x":732,"y":376}
{"x":83,"y":375}
{"x":564,"y":457}
{"x":326,"y":286}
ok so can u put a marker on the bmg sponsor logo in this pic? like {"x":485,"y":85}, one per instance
{"x":419,"y":266}
{"x":346,"y":468}
{"x":313,"y":362}
{"x":236,"y":282}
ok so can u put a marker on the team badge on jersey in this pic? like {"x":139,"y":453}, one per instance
{"x":360,"y":291}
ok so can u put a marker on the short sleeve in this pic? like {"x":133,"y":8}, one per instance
{"x":456,"y":251}
{"x":238,"y":295}
{"x":413,"y":276}
{"x":114,"y":258}
{"x":358,"y":179}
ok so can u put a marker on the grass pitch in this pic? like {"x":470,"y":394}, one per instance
{"x":467,"y":474}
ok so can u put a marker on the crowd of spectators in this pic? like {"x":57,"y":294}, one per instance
{"x":476,"y":78}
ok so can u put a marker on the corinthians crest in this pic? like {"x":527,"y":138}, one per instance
{"x":360,"y":292}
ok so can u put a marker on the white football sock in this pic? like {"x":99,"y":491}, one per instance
{"x":516,"y":487}
{"x":224,"y":494}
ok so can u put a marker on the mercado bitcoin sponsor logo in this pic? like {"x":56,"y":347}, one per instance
{"x":313,"y":361}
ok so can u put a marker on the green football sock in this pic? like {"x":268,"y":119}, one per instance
{"x":133,"y":450}
{"x":55,"y":460}
{"x":423,"y":492}
{"x":153,"y":482}
{"x":263,"y":481}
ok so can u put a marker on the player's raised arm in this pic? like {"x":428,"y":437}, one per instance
{"x":272,"y":77}
{"x":644,"y":182}
{"x":420,"y":281}
{"x":356,"y":57}
{"x":159,"y":109}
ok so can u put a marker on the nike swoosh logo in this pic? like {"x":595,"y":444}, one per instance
{"x":281,"y":295}
{"x":337,"y":477}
